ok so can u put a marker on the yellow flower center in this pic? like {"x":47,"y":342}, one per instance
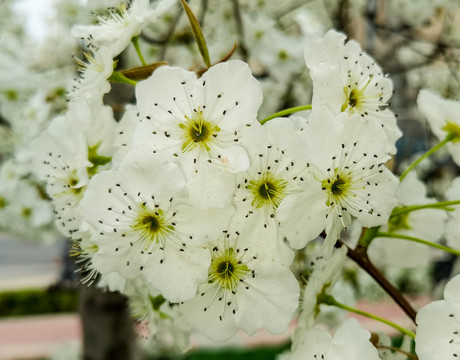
{"x":198,"y":132}
{"x":338,"y":187}
{"x":26,"y":212}
{"x":152,"y":225}
{"x":356,"y":99}
{"x":3,"y":202}
{"x":70,"y":182}
{"x":226,"y":270}
{"x":267,"y":190}
{"x":453,"y":130}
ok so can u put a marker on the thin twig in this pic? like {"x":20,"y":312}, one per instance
{"x":204,"y":9}
{"x":408,"y":354}
{"x":170,"y":32}
{"x":359,"y":256}
{"x":240,"y":29}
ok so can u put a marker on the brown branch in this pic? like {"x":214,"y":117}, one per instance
{"x":170,"y":32}
{"x":240,"y":30}
{"x":360,"y":257}
{"x":166,"y":39}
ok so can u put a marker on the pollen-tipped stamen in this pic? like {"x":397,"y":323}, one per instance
{"x":267,"y":190}
{"x":152,"y":226}
{"x":198,"y":132}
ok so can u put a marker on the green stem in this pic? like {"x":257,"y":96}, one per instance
{"x":135,"y":41}
{"x":368,"y":235}
{"x":120,"y":78}
{"x":443,"y":205}
{"x":286,"y":112}
{"x":420,"y":241}
{"x":329,"y":300}
{"x":448,"y":138}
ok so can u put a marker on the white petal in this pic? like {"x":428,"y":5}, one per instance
{"x":315,"y":342}
{"x":327,"y":89}
{"x":240,"y":94}
{"x":452,"y":289}
{"x":207,"y":321}
{"x":397,"y":253}
{"x":411,"y":190}
{"x":178,"y":277}
{"x":381,"y":197}
{"x":270,"y":301}
{"x":145,"y":171}
{"x":207,"y":224}
{"x":208,"y":186}
{"x":325,"y":49}
{"x":437,"y":331}
{"x":169,"y":88}
{"x":438,"y":111}
{"x":351,"y":341}
{"x":302,"y":216}
{"x":454,"y":151}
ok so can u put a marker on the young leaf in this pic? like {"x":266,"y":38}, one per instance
{"x":142,"y":72}
{"x":197,"y":33}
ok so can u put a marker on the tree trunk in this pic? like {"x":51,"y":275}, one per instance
{"x":108,"y":331}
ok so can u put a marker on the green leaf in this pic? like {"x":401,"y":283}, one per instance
{"x":197,"y":33}
{"x":96,"y":159}
{"x":157,"y":301}
{"x":142,"y":72}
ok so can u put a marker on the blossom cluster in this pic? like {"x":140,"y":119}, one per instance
{"x":191,"y":194}
{"x":208,"y":216}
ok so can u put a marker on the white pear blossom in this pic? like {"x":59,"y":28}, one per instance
{"x":348,"y":80}
{"x":75,"y":147}
{"x":82,"y":251}
{"x":25,"y":211}
{"x":322,"y":273}
{"x":199,"y":122}
{"x":349,"y":179}
{"x":280,"y":53}
{"x":350,"y":341}
{"x":427,"y":224}
{"x":438,"y":326}
{"x":189,"y":206}
{"x":442,"y":115}
{"x":145,"y":226}
{"x":437,"y":79}
{"x":94,"y":71}
{"x":244,"y":290}
{"x":313,"y":20}
{"x":116,"y":29}
{"x":325,"y":272}
{"x":272,"y":175}
{"x":156,"y":317}
{"x":61,"y":159}
{"x":30,"y":206}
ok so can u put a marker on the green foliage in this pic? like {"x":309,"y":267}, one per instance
{"x":231,"y":353}
{"x":37,"y":301}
